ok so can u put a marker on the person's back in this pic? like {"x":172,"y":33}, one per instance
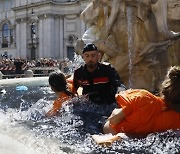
{"x":18,"y":67}
{"x":145,"y":113}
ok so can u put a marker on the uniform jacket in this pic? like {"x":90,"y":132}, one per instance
{"x":101,"y":85}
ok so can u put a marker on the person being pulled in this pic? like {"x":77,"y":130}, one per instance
{"x":63,"y":90}
{"x":100,"y":81}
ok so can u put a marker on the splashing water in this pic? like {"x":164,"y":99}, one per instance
{"x":73,"y":65}
{"x":23,"y":122}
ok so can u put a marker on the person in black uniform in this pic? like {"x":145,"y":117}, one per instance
{"x":99,"y":81}
{"x":18,"y":63}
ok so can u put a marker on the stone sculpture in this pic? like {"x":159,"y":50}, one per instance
{"x":134,"y":36}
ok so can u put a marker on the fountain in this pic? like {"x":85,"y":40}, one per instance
{"x":25,"y":129}
{"x":125,"y":33}
{"x":136,"y":37}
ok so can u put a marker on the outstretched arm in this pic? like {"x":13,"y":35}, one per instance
{"x":116,"y":117}
{"x":75,"y":83}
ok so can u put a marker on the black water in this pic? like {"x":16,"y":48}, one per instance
{"x":78,"y":120}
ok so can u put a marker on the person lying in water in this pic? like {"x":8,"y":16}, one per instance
{"x":141,"y":112}
{"x":59,"y":85}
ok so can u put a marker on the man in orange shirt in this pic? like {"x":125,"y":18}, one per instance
{"x":142,"y":113}
{"x":57,"y":81}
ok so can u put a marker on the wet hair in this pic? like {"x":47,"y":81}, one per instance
{"x":57,"y":80}
{"x":89,"y":47}
{"x":170,"y":88}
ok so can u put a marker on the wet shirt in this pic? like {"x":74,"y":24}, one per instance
{"x":59,"y":101}
{"x":101,"y":85}
{"x":145,"y":113}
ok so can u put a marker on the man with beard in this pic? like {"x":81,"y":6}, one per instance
{"x":99,"y":81}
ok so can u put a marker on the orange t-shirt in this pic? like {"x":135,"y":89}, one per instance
{"x":144,"y":113}
{"x":71,"y":85}
{"x":59,"y":101}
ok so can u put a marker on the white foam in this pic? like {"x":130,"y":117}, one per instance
{"x":9,"y":146}
{"x":15,"y":138}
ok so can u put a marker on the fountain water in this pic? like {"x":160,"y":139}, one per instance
{"x":25,"y":129}
{"x":130,"y":42}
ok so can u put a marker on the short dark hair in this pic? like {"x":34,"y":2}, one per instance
{"x":58,"y":81}
{"x":89,"y":47}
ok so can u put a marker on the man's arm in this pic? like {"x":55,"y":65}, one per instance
{"x":75,"y":84}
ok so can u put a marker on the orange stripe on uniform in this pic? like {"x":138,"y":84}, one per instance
{"x":101,"y":80}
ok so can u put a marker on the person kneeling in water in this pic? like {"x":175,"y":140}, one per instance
{"x":59,"y":85}
{"x":141,"y":112}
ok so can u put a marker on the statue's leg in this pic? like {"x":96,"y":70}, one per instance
{"x":159,"y":9}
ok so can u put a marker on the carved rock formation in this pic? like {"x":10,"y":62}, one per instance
{"x":140,"y":38}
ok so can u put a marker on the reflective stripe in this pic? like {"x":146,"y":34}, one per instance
{"x":83,"y":82}
{"x":101,"y":80}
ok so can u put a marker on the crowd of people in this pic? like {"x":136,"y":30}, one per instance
{"x":17,"y":66}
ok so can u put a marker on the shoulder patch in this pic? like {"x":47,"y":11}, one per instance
{"x":106,"y":63}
